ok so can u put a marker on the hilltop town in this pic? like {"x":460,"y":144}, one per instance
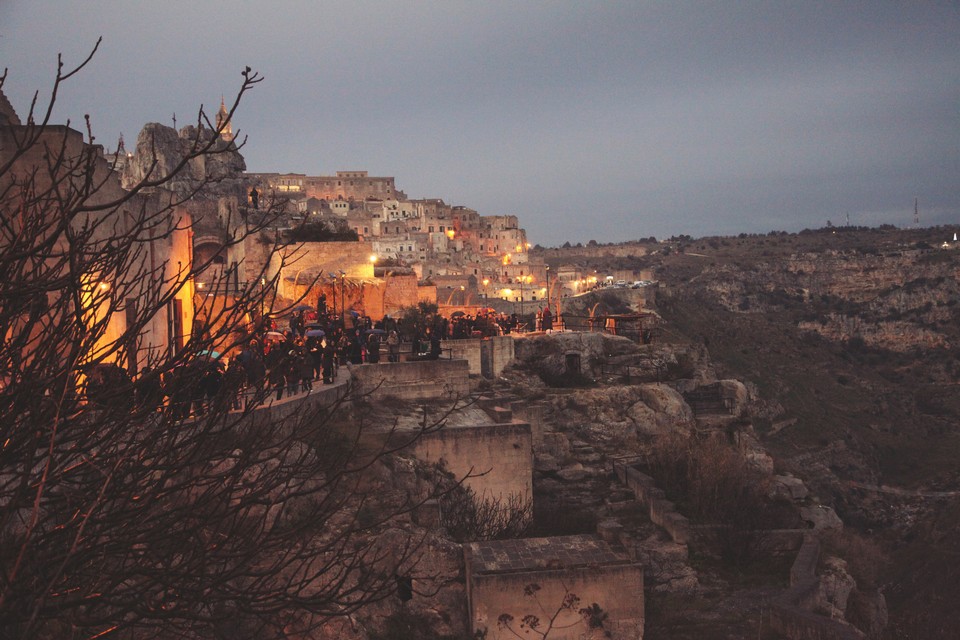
{"x":627,"y":446}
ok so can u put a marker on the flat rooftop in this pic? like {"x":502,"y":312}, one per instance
{"x":532,"y":554}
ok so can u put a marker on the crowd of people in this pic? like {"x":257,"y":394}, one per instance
{"x":308,"y":349}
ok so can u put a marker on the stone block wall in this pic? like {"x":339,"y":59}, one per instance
{"x":499,"y":348}
{"x":661,"y":510}
{"x":413,"y":380}
{"x":618,"y":590}
{"x":468,"y":350}
{"x":532,"y":414}
{"x":503,"y":352}
{"x":501,"y":452}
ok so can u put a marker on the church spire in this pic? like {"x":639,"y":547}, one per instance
{"x":223,"y":121}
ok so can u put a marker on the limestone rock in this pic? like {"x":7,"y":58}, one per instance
{"x":869,"y":613}
{"x":760,"y":460}
{"x":545,"y":462}
{"x":555,"y":445}
{"x":573,"y":473}
{"x":835,"y":586}
{"x":736,"y":395}
{"x":667,"y":401}
{"x":787,"y":488}
{"x":820,"y":517}
{"x":160,"y":149}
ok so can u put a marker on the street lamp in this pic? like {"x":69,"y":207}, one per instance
{"x":528,"y":279}
{"x":548,"y":286}
{"x":343,"y":300}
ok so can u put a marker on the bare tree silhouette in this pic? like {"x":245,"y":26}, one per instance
{"x":121,"y":514}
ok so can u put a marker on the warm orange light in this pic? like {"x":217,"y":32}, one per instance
{"x":373,"y":258}
{"x":506,"y":259}
{"x":519,"y":248}
{"x":486,"y":281}
{"x":451,"y":233}
{"x":104,"y":286}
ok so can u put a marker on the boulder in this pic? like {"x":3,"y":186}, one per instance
{"x":820,"y":517}
{"x":573,"y":473}
{"x":667,"y":401}
{"x":787,"y":488}
{"x":834,"y":588}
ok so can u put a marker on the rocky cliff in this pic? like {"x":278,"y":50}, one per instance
{"x":161,"y":149}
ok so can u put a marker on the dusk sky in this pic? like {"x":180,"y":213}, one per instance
{"x":608,"y":121}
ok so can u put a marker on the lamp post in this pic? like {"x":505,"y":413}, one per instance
{"x":343,"y":300}
{"x":548,"y":286}
{"x":521,"y":296}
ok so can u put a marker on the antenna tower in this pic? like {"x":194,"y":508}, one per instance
{"x":916,"y":212}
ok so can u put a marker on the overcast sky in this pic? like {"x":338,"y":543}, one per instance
{"x":590,"y":120}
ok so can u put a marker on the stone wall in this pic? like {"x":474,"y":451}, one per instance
{"x":661,"y":510}
{"x":534,"y":576}
{"x":499,"y":350}
{"x":413,"y":380}
{"x":323,"y":258}
{"x":468,"y":350}
{"x":502,"y":453}
{"x":321,"y":397}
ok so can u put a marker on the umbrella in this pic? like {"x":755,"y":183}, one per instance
{"x":302,"y":307}
{"x":314,"y":325}
{"x":275,"y":335}
{"x":209,"y":354}
{"x":379,"y":332}
{"x":315,"y":333}
{"x":457,"y":314}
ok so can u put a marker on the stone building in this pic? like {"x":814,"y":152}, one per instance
{"x":508,"y":580}
{"x":345,"y":185}
{"x":161,"y":255}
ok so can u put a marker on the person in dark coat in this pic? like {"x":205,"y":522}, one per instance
{"x":292,"y":371}
{"x":373,"y":349}
{"x":278,"y":378}
{"x":356,"y":350}
{"x":233,"y":380}
{"x":305,"y":364}
{"x":149,"y":392}
{"x":322,"y":306}
{"x":329,"y":362}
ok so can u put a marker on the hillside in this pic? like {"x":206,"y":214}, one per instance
{"x":852,"y":338}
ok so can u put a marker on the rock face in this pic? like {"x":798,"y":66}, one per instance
{"x":834,"y":588}
{"x":160,"y":149}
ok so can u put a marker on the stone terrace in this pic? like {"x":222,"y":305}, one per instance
{"x":542,"y":553}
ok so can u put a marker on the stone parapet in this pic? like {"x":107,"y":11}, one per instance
{"x":422,"y":380}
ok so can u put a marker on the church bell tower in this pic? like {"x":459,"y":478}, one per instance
{"x":223,"y":122}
